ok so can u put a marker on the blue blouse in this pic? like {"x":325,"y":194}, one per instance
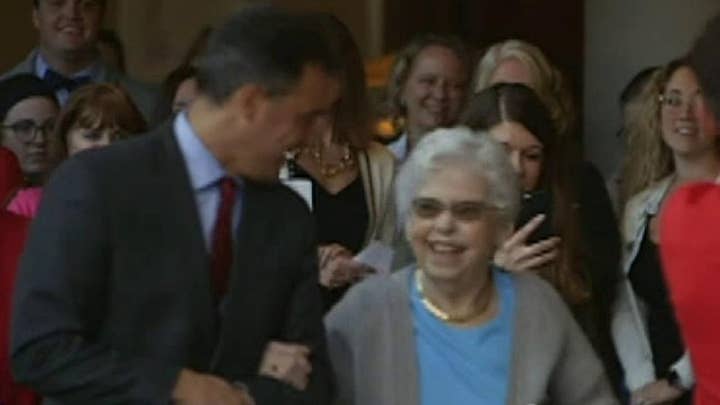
{"x":465,"y":365}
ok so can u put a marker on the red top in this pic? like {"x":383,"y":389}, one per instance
{"x":11,"y":177}
{"x":13,"y":230}
{"x":690,"y":250}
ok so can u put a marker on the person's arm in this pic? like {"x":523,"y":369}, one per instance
{"x":338,"y":321}
{"x":60,"y":304}
{"x":303,"y":325}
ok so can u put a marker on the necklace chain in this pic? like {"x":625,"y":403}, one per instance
{"x":444,"y":315}
{"x":332,"y":169}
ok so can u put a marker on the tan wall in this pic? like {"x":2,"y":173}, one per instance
{"x":157,"y":33}
{"x":16,"y":30}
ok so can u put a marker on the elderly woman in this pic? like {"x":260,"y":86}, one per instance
{"x":453,"y":328}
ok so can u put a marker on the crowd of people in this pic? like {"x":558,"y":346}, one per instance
{"x":207,"y":242}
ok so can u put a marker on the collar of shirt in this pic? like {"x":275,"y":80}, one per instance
{"x":203,"y":168}
{"x":41,"y":66}
{"x":399,"y":147}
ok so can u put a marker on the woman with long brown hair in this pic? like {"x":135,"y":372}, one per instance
{"x":549,"y":238}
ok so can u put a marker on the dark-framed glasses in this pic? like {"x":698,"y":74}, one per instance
{"x":25,"y":130}
{"x":466,"y":211}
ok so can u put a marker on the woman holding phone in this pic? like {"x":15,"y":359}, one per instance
{"x":549,"y":238}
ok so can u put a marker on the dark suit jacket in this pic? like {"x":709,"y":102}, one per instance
{"x":114,"y":293}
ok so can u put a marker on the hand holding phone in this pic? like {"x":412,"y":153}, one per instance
{"x":516,"y":254}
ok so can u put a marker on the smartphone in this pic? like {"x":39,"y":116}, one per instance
{"x":535,"y":203}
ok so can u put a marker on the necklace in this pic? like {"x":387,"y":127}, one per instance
{"x":443,"y":315}
{"x":332,"y":169}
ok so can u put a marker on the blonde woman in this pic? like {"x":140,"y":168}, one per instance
{"x":515,"y":61}
{"x":677,"y":143}
{"x":427,"y":88}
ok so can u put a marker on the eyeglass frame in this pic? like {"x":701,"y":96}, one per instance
{"x":455,"y":208}
{"x":45,"y":129}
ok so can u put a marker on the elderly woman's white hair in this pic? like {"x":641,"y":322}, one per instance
{"x":460,"y":146}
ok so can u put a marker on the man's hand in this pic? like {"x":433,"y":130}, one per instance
{"x":204,"y":389}
{"x":287,"y":362}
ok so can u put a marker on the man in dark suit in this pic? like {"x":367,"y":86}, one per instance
{"x":67,"y":54}
{"x":134,"y":289}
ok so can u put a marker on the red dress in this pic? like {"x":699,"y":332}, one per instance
{"x":690,"y":250}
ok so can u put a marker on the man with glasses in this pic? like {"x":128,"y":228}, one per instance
{"x":67,"y":54}
{"x":28,"y":109}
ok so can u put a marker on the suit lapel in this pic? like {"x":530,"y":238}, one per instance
{"x":182,"y":213}
{"x":252,"y":263}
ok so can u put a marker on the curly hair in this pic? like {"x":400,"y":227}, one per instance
{"x":648,"y":158}
{"x":547,"y":80}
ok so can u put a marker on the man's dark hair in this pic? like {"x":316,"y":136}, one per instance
{"x":705,"y":60}
{"x":263,"y":45}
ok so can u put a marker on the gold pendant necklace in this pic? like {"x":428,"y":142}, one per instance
{"x":443,"y":315}
{"x":330,"y":170}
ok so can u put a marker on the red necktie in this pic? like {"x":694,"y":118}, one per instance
{"x":222,"y":252}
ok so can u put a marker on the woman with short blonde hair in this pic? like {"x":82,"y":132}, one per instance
{"x":544,"y":78}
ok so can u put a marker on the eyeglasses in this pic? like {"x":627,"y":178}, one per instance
{"x":25,"y":130}
{"x":466,"y":211}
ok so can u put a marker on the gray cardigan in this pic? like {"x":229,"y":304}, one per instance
{"x":372,"y":348}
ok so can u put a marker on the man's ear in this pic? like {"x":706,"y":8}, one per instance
{"x":248,"y":102}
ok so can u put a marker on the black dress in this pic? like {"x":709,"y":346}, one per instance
{"x":648,"y":283}
{"x":340,"y":218}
